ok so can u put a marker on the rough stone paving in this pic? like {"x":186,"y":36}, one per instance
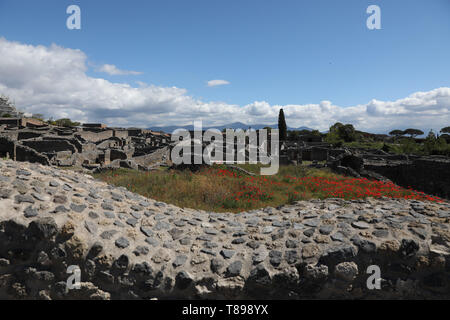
{"x":131,"y":247}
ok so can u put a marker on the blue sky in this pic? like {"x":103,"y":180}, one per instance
{"x":279,"y":53}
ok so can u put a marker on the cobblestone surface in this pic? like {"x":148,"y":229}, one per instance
{"x":128,"y":246}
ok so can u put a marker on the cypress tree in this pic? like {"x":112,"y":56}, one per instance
{"x":282,"y":126}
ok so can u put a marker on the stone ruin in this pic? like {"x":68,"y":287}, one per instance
{"x":130,"y":247}
{"x":430,"y":174}
{"x":126,"y":246}
{"x":96,"y":147}
{"x":92,"y":146}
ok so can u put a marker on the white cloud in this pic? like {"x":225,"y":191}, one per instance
{"x":260,"y":108}
{"x":215,"y":83}
{"x":114,"y":71}
{"x":53,"y":81}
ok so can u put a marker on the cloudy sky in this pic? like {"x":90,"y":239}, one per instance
{"x":171,"y":62}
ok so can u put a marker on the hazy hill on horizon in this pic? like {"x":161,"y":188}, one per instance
{"x":235,"y":126}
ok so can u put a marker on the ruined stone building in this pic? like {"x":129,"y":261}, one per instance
{"x":90,"y":146}
{"x":97,"y":147}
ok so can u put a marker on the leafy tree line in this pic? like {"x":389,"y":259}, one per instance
{"x":411,"y":132}
{"x":402,"y":141}
{"x":414,"y":132}
{"x":65,"y":122}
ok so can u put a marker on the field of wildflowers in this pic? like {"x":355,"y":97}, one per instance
{"x":220,"y":189}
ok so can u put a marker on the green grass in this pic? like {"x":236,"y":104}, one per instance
{"x":209,"y":190}
{"x":221,"y":189}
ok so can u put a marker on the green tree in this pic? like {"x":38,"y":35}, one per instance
{"x":445,"y":130}
{"x":38,"y":116}
{"x":413,"y":132}
{"x":304,"y":132}
{"x":386,"y":148}
{"x":293,"y":135}
{"x":345,"y":132}
{"x":348,"y":133}
{"x":408,"y":146}
{"x":445,"y":137}
{"x":282,"y":126}
{"x":431,"y":136}
{"x":65,"y":122}
{"x":430,"y":142}
{"x":396,"y":133}
{"x":333,"y":135}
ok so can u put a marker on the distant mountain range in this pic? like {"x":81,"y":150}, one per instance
{"x":235,"y":126}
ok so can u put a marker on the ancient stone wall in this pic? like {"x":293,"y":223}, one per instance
{"x":26,"y":154}
{"x":26,"y":134}
{"x":319,"y":154}
{"x":427,"y":174}
{"x":7,"y":148}
{"x":159,"y":156}
{"x":11,"y":121}
{"x":96,"y":136}
{"x":130,"y":247}
{"x":12,"y":135}
{"x":122,"y":134}
{"x":46,"y":146}
{"x":430,"y":175}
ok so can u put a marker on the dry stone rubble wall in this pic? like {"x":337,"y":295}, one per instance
{"x":131,"y":247}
